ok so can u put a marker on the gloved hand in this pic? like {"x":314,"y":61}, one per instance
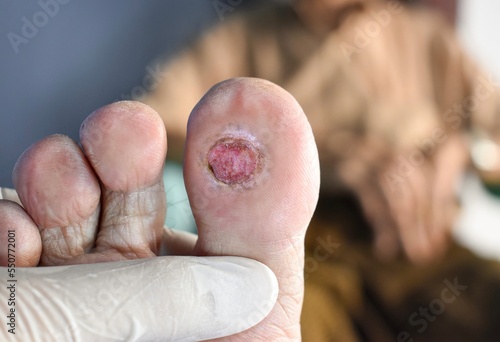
{"x":159,"y":299}
{"x":170,"y":298}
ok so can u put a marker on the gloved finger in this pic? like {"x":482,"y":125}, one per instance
{"x":158,"y":299}
{"x":9,"y":194}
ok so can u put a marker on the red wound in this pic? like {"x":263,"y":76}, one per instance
{"x":233,"y":161}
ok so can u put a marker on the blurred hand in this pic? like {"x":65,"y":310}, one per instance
{"x":409,"y":196}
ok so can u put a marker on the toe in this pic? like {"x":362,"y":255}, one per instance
{"x":125,"y":143}
{"x":58,"y":189}
{"x":19,"y":237}
{"x":252,"y":176}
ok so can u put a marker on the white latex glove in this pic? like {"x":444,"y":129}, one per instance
{"x":164,"y":298}
{"x":158,"y":299}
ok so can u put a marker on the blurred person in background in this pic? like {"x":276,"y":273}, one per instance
{"x":394,"y":103}
{"x":392,"y":100}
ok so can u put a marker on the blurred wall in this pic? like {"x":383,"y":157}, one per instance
{"x":479,"y":27}
{"x":478,"y":227}
{"x":61,"y":59}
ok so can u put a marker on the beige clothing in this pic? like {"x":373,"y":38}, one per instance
{"x":350,"y":88}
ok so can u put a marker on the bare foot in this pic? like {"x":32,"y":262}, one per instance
{"x":252,"y":176}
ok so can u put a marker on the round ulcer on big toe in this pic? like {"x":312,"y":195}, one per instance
{"x":233,"y":161}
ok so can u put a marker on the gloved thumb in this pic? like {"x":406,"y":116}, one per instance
{"x":158,"y":299}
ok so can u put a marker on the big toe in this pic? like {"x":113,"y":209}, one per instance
{"x":252,"y":176}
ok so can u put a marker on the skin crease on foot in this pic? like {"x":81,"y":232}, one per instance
{"x":104,"y":202}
